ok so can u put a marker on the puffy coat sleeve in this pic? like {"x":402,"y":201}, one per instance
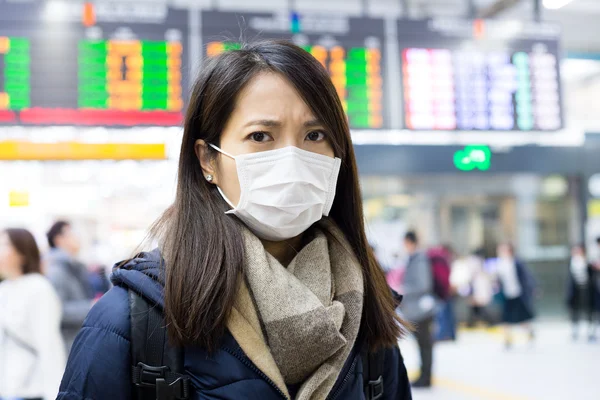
{"x":396,"y":385}
{"x":99,"y":364}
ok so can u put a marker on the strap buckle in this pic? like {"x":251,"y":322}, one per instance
{"x":376,"y":389}
{"x":177,"y":390}
{"x":145,"y":376}
{"x":149,"y":376}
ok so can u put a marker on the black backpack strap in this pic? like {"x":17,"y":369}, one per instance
{"x":157,"y":367}
{"x":373,"y":373}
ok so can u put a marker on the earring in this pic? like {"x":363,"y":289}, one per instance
{"x":209,"y":178}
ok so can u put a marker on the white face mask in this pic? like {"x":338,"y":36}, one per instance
{"x":283,"y":192}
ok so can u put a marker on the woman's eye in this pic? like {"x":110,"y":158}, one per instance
{"x":315,"y":136}
{"x":259,"y":136}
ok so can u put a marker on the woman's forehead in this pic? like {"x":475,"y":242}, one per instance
{"x":270,"y":97}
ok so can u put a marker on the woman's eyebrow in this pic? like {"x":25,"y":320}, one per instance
{"x":313,"y":123}
{"x":264,"y":122}
{"x":275,"y":123}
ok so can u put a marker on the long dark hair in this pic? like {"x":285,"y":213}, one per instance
{"x":202,"y":246}
{"x":24,"y":242}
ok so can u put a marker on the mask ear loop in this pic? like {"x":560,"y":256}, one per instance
{"x":227,"y":200}
{"x":221,"y":151}
{"x":218,"y":188}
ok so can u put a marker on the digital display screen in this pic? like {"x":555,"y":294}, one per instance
{"x":14,"y":73}
{"x":351,"y":49}
{"x":130,"y":75}
{"x":97,"y":69}
{"x":457,"y":78}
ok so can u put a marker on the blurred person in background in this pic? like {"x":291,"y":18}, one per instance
{"x":517,"y":287}
{"x":70,"y":278}
{"x":581,"y":290}
{"x":98,"y":276}
{"x":596,"y":290}
{"x":265,"y":276}
{"x":481,"y":290}
{"x":32,"y":357}
{"x":418,"y":304}
{"x":395,"y":275}
{"x":440,"y":259}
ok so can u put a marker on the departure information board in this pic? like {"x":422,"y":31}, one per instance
{"x":480,"y":75}
{"x":130,"y":75}
{"x":100,"y":66}
{"x":351,"y":49}
{"x":14,"y":73}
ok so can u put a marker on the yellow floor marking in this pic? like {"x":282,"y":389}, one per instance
{"x":497,"y":333}
{"x":479,"y":392}
{"x":519,"y":336}
{"x":459,"y":387}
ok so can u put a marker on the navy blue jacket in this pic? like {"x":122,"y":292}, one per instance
{"x":592,"y":289}
{"x":100,"y":362}
{"x":528,"y":284}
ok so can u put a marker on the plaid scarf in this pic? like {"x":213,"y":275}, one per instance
{"x":310,"y":312}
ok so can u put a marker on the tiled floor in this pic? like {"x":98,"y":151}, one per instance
{"x":478,"y":367}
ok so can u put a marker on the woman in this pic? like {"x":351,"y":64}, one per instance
{"x":517,"y":287}
{"x":595,"y":290}
{"x":481,"y":290}
{"x":267,"y":283}
{"x":580,"y":292}
{"x":441,"y":259}
{"x":32,"y":357}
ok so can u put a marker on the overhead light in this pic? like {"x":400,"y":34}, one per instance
{"x":56,"y":10}
{"x":554,"y":186}
{"x":556,"y":4}
{"x":576,"y":70}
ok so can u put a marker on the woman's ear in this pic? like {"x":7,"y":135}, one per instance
{"x":206,"y":161}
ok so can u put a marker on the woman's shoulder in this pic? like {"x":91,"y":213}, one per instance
{"x":395,"y":375}
{"x":37,"y":284}
{"x":111,"y":313}
{"x":99,"y":364}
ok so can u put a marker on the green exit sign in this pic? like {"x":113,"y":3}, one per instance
{"x":473,"y":157}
